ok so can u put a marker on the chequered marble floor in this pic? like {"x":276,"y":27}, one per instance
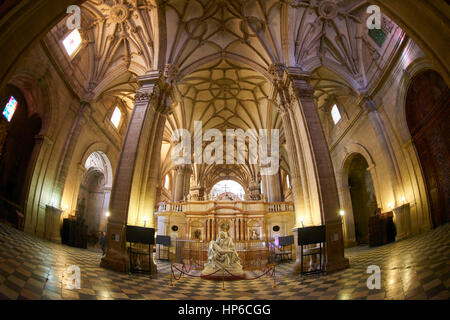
{"x":416,"y":268}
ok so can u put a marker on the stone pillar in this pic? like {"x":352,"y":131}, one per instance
{"x":307,"y":115}
{"x":180,"y":182}
{"x":82,"y":117}
{"x":378,"y":125}
{"x":273,"y":185}
{"x":107,"y":198}
{"x":52,"y":224}
{"x":40,"y":157}
{"x":144,"y":120}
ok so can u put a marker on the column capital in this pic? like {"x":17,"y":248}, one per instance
{"x":181,"y":168}
{"x":299,"y":81}
{"x":297,"y":73}
{"x":156,"y":88}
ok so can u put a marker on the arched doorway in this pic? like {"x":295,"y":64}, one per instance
{"x":363,"y":198}
{"x":94,"y":194}
{"x":427,"y":115}
{"x":18,"y":129}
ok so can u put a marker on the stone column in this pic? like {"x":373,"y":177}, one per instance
{"x":82,"y":117}
{"x":273,"y":187}
{"x":107,"y":197}
{"x":187,"y":181}
{"x":41,"y":156}
{"x":52,"y":224}
{"x":378,"y":125}
{"x":180,"y":182}
{"x":145,"y":113}
{"x":307,"y":115}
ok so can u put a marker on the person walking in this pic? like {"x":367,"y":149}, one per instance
{"x":103,"y":242}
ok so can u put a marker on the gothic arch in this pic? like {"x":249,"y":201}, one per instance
{"x":103,"y":150}
{"x":35,"y":91}
{"x":353,"y":150}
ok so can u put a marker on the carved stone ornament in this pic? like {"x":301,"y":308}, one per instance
{"x":119,"y":13}
{"x":143,"y":97}
{"x":328,"y":10}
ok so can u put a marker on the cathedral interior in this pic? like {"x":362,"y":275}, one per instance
{"x":116,"y":117}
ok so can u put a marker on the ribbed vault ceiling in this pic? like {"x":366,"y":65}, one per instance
{"x":218,"y":52}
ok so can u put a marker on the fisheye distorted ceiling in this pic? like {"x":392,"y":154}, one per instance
{"x":219,"y":53}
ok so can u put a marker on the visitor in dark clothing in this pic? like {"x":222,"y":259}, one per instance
{"x":103,"y":242}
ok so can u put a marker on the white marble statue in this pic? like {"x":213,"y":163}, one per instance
{"x":222,"y":254}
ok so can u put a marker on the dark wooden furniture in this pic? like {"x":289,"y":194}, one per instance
{"x":164,"y":243}
{"x":140,"y":248}
{"x":381,"y":229}
{"x":74,"y":233}
{"x":312,"y":236}
{"x":284,"y":252}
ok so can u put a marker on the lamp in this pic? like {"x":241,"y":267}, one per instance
{"x":342,"y":213}
{"x":107,"y":214}
{"x":301,"y":221}
{"x":145,"y":221}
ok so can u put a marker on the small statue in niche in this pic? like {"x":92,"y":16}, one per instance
{"x":254,"y":235}
{"x":197,"y":234}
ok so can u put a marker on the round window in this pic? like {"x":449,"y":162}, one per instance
{"x":276,"y":228}
{"x":175,"y":228}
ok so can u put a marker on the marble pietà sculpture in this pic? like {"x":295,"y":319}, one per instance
{"x":222,"y":255}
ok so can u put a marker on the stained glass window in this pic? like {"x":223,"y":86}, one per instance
{"x":10,"y":108}
{"x":378,"y":36}
{"x":72,"y":42}
{"x":116,"y":117}
{"x":335,"y":114}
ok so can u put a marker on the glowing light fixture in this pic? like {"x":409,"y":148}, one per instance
{"x":72,"y":42}
{"x":10,"y":108}
{"x":108,"y":214}
{"x":342,"y":213}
